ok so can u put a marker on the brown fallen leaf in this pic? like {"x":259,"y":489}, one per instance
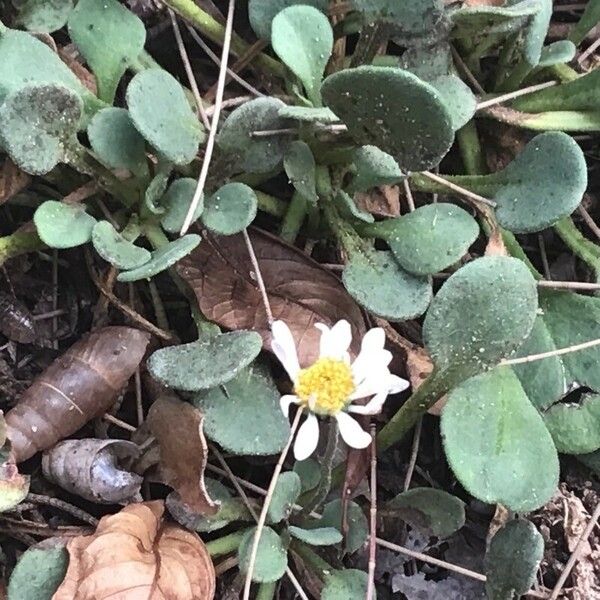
{"x":301,"y":292}
{"x":12,"y":180}
{"x":177,"y":427}
{"x":383,"y":201}
{"x":90,"y":469}
{"x":78,"y":386}
{"x":495,"y":245}
{"x":16,"y":322}
{"x":13,"y":486}
{"x":136,"y":555}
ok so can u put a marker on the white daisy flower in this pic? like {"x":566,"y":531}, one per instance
{"x":329,"y":386}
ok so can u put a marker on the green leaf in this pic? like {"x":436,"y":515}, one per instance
{"x":300,"y":167}
{"x":512,"y":560}
{"x":176,"y":203}
{"x":348,"y":209}
{"x":433,"y":511}
{"x":116,"y":142}
{"x":238,"y":414}
{"x":271,"y":558}
{"x":303,"y":39}
{"x":163,"y":258}
{"x":496,"y":442}
{"x":248,"y":153}
{"x":309,"y":471}
{"x":358,"y":527}
{"x":63,"y":225}
{"x":109,"y":37}
{"x":43,"y":16}
{"x":161,"y":113}
{"x":345,"y":584}
{"x":557,"y":53}
{"x":117,"y":250}
{"x":589,"y":19}
{"x":262,"y":13}
{"x":431,"y":238}
{"x":207,"y":363}
{"x":230,"y":209}
{"x":466,"y":329}
{"x":575,"y":428}
{"x":321,"y":536}
{"x":286,"y":493}
{"x":156,"y":189}
{"x":394,"y":110}
{"x":373,"y":167}
{"x":38,"y":574}
{"x":310,"y":114}
{"x":379,"y":283}
{"x":37,"y":124}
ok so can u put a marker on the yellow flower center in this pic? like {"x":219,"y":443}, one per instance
{"x":325,"y":386}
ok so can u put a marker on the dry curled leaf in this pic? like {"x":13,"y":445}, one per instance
{"x":383,"y":201}
{"x":136,"y":555}
{"x":90,"y":468}
{"x":12,"y":180}
{"x":177,"y":427}
{"x":78,"y":386}
{"x":16,"y":322}
{"x":301,"y":292}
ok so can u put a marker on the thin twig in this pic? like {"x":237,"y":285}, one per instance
{"x":64,"y":506}
{"x":576,"y":552}
{"x":544,"y":256}
{"x":373,"y":518}
{"x":409,"y":197}
{"x":458,"y":189}
{"x":465,"y":69}
{"x":267,"y":502}
{"x":588,"y":51}
{"x":513,"y":95}
{"x":589,"y":221}
{"x":413,"y":454}
{"x":226,"y":565}
{"x":259,"y":278}
{"x":230,"y":103}
{"x":185,"y":59}
{"x":551,"y":353}
{"x":115,"y":421}
{"x":568,"y":285}
{"x":210,"y":144}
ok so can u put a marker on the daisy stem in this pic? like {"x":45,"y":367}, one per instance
{"x":311,"y":559}
{"x":265,"y":508}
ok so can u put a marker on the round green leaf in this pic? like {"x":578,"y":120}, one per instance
{"x":512,"y":560}
{"x":163,"y":259}
{"x":204,"y":364}
{"x":557,"y":53}
{"x":431,"y":238}
{"x":176,"y":203}
{"x":38,"y":574}
{"x":309,"y":472}
{"x":393,"y":109}
{"x":303,"y":39}
{"x":379,"y":283}
{"x":286,"y":493}
{"x":345,"y":584}
{"x":115,"y":249}
{"x":374,"y":167}
{"x":300,"y":167}
{"x":248,"y":153}
{"x":543,"y":184}
{"x":109,"y":37}
{"x":467,"y":328}
{"x":309,"y":114}
{"x":349,"y":210}
{"x":230,"y":209}
{"x":161,"y":113}
{"x":238,"y":414}
{"x":37,"y":122}
{"x":358,"y":527}
{"x":321,"y":536}
{"x":262,"y":13}
{"x":575,"y":428}
{"x":63,"y":225}
{"x":43,"y":16}
{"x":116,"y":142}
{"x":433,"y":511}
{"x":271,"y":558}
{"x":496,"y":442}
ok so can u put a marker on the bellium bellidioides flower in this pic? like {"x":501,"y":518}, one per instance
{"x":331,"y":384}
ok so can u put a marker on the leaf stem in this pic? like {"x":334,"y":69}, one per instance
{"x":319,"y":566}
{"x":226,"y":544}
{"x":581,"y":246}
{"x":470,"y":149}
{"x":19,"y":242}
{"x":294,"y":217}
{"x":266,"y":591}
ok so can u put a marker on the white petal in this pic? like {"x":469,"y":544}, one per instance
{"x":370,"y":362}
{"x":285,"y":402}
{"x":352,"y":433}
{"x":372,"y":407}
{"x":371,"y":346}
{"x":284,"y":347}
{"x":335,"y":341}
{"x":307,"y":438}
{"x":375,"y":382}
{"x":396,"y":384}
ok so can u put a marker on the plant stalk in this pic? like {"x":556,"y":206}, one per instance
{"x":226,"y":544}
{"x":19,"y":242}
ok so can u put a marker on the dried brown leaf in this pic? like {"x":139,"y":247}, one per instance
{"x":495,"y":245}
{"x":177,"y":427}
{"x":16,"y":322}
{"x":135,"y":554}
{"x":12,"y":180}
{"x":78,"y":386}
{"x":90,"y":469}
{"x":383,"y":201}
{"x":301,"y":292}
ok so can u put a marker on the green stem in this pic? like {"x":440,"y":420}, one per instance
{"x":564,"y":73}
{"x":271,"y":205}
{"x":215,"y":32}
{"x":311,"y":559}
{"x":19,"y":242}
{"x":294,"y":217}
{"x":226,"y":544}
{"x":470,"y":149}
{"x":581,"y":246}
{"x":266,"y":591}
